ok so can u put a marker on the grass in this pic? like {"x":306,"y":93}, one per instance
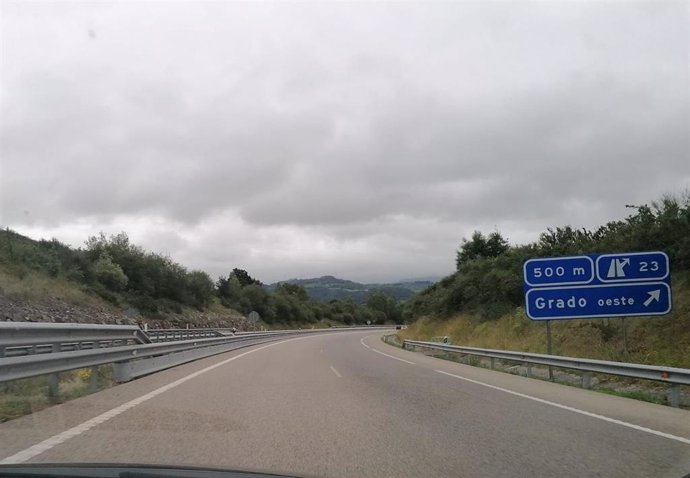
{"x":475,"y":361}
{"x":634,"y":394}
{"x":28,"y":285}
{"x":615,"y":384}
{"x":651,"y":340}
{"x":22,"y":397}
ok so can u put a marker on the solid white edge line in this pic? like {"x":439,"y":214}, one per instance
{"x":379,"y":352}
{"x":336,"y":372}
{"x":572,"y":409}
{"x":391,"y":356}
{"x":76,"y":430}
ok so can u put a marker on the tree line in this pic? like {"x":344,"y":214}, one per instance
{"x":488,"y":277}
{"x":127,"y":275}
{"x":291,"y":303}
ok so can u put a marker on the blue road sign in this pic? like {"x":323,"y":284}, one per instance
{"x":639,"y":266}
{"x":559,"y":271}
{"x":607,"y":300}
{"x":606,"y":285}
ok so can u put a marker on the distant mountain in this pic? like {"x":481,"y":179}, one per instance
{"x":328,"y":288}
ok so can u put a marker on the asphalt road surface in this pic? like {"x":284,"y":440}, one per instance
{"x":346,"y":404}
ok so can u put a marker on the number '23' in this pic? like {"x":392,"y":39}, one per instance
{"x":649,"y":266}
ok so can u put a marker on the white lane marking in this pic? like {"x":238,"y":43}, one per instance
{"x":55,"y":440}
{"x":379,"y":352}
{"x":391,"y":356}
{"x":336,"y":372}
{"x":575,"y":410}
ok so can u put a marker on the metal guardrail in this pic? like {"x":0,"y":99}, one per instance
{"x":168,"y":335}
{"x":13,"y":368}
{"x":29,"y":338}
{"x":671,"y":375}
{"x":441,"y":338}
{"x":69,"y":348}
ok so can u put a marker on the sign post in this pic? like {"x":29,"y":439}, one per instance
{"x":622,"y":285}
{"x":549,"y":349}
{"x":624,"y":326}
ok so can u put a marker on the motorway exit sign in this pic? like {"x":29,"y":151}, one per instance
{"x":593,"y":286}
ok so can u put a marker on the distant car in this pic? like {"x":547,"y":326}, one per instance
{"x":398,"y":327}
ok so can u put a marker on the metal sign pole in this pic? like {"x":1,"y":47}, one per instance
{"x":625,"y":336}
{"x":549,"y":349}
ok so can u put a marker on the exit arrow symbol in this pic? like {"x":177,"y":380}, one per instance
{"x":653,"y":295}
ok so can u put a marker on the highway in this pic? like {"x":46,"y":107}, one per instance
{"x":346,"y":404}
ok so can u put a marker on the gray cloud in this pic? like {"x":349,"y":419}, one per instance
{"x":355,"y":139}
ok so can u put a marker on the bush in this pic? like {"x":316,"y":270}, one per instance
{"x":108,"y":273}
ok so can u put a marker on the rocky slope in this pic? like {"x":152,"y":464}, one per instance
{"x":57,"y":310}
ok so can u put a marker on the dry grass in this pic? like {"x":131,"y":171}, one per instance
{"x":30,"y":285}
{"x":22,"y":397}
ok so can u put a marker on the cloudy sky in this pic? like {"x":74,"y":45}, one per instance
{"x":362,"y":140}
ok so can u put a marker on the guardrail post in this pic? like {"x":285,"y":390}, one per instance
{"x":549,"y":348}
{"x":53,"y":391}
{"x":674,"y":395}
{"x":493,"y":363}
{"x":587,"y":380}
{"x":93,"y":379}
{"x":529,"y":370}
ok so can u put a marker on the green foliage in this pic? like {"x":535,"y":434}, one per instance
{"x":255,"y":297}
{"x":155,"y":283}
{"x":244,"y":278}
{"x":228,"y":290}
{"x":480,"y":247}
{"x":49,"y":257}
{"x":384,"y":308}
{"x":108,"y":273}
{"x":296,"y":290}
{"x":201,"y":289}
{"x":488,"y":280}
{"x":289,"y":302}
{"x":124,"y":274}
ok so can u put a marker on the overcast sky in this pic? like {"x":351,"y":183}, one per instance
{"x":362,"y":140}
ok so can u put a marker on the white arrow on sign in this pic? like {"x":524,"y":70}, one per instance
{"x":653,"y":295}
{"x":616,"y":269}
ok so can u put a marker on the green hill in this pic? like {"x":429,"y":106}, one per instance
{"x":328,"y":288}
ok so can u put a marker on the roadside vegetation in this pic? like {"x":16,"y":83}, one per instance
{"x":481,"y":304}
{"x":22,"y":397}
{"x":112,"y":273}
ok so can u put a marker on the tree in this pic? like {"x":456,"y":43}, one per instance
{"x":481,"y":247}
{"x":109,"y":273}
{"x":565,"y":240}
{"x":228,"y":290}
{"x":383,"y":306}
{"x":255,"y":297}
{"x":294,"y":290}
{"x":244,"y":278}
{"x":200,"y":288}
